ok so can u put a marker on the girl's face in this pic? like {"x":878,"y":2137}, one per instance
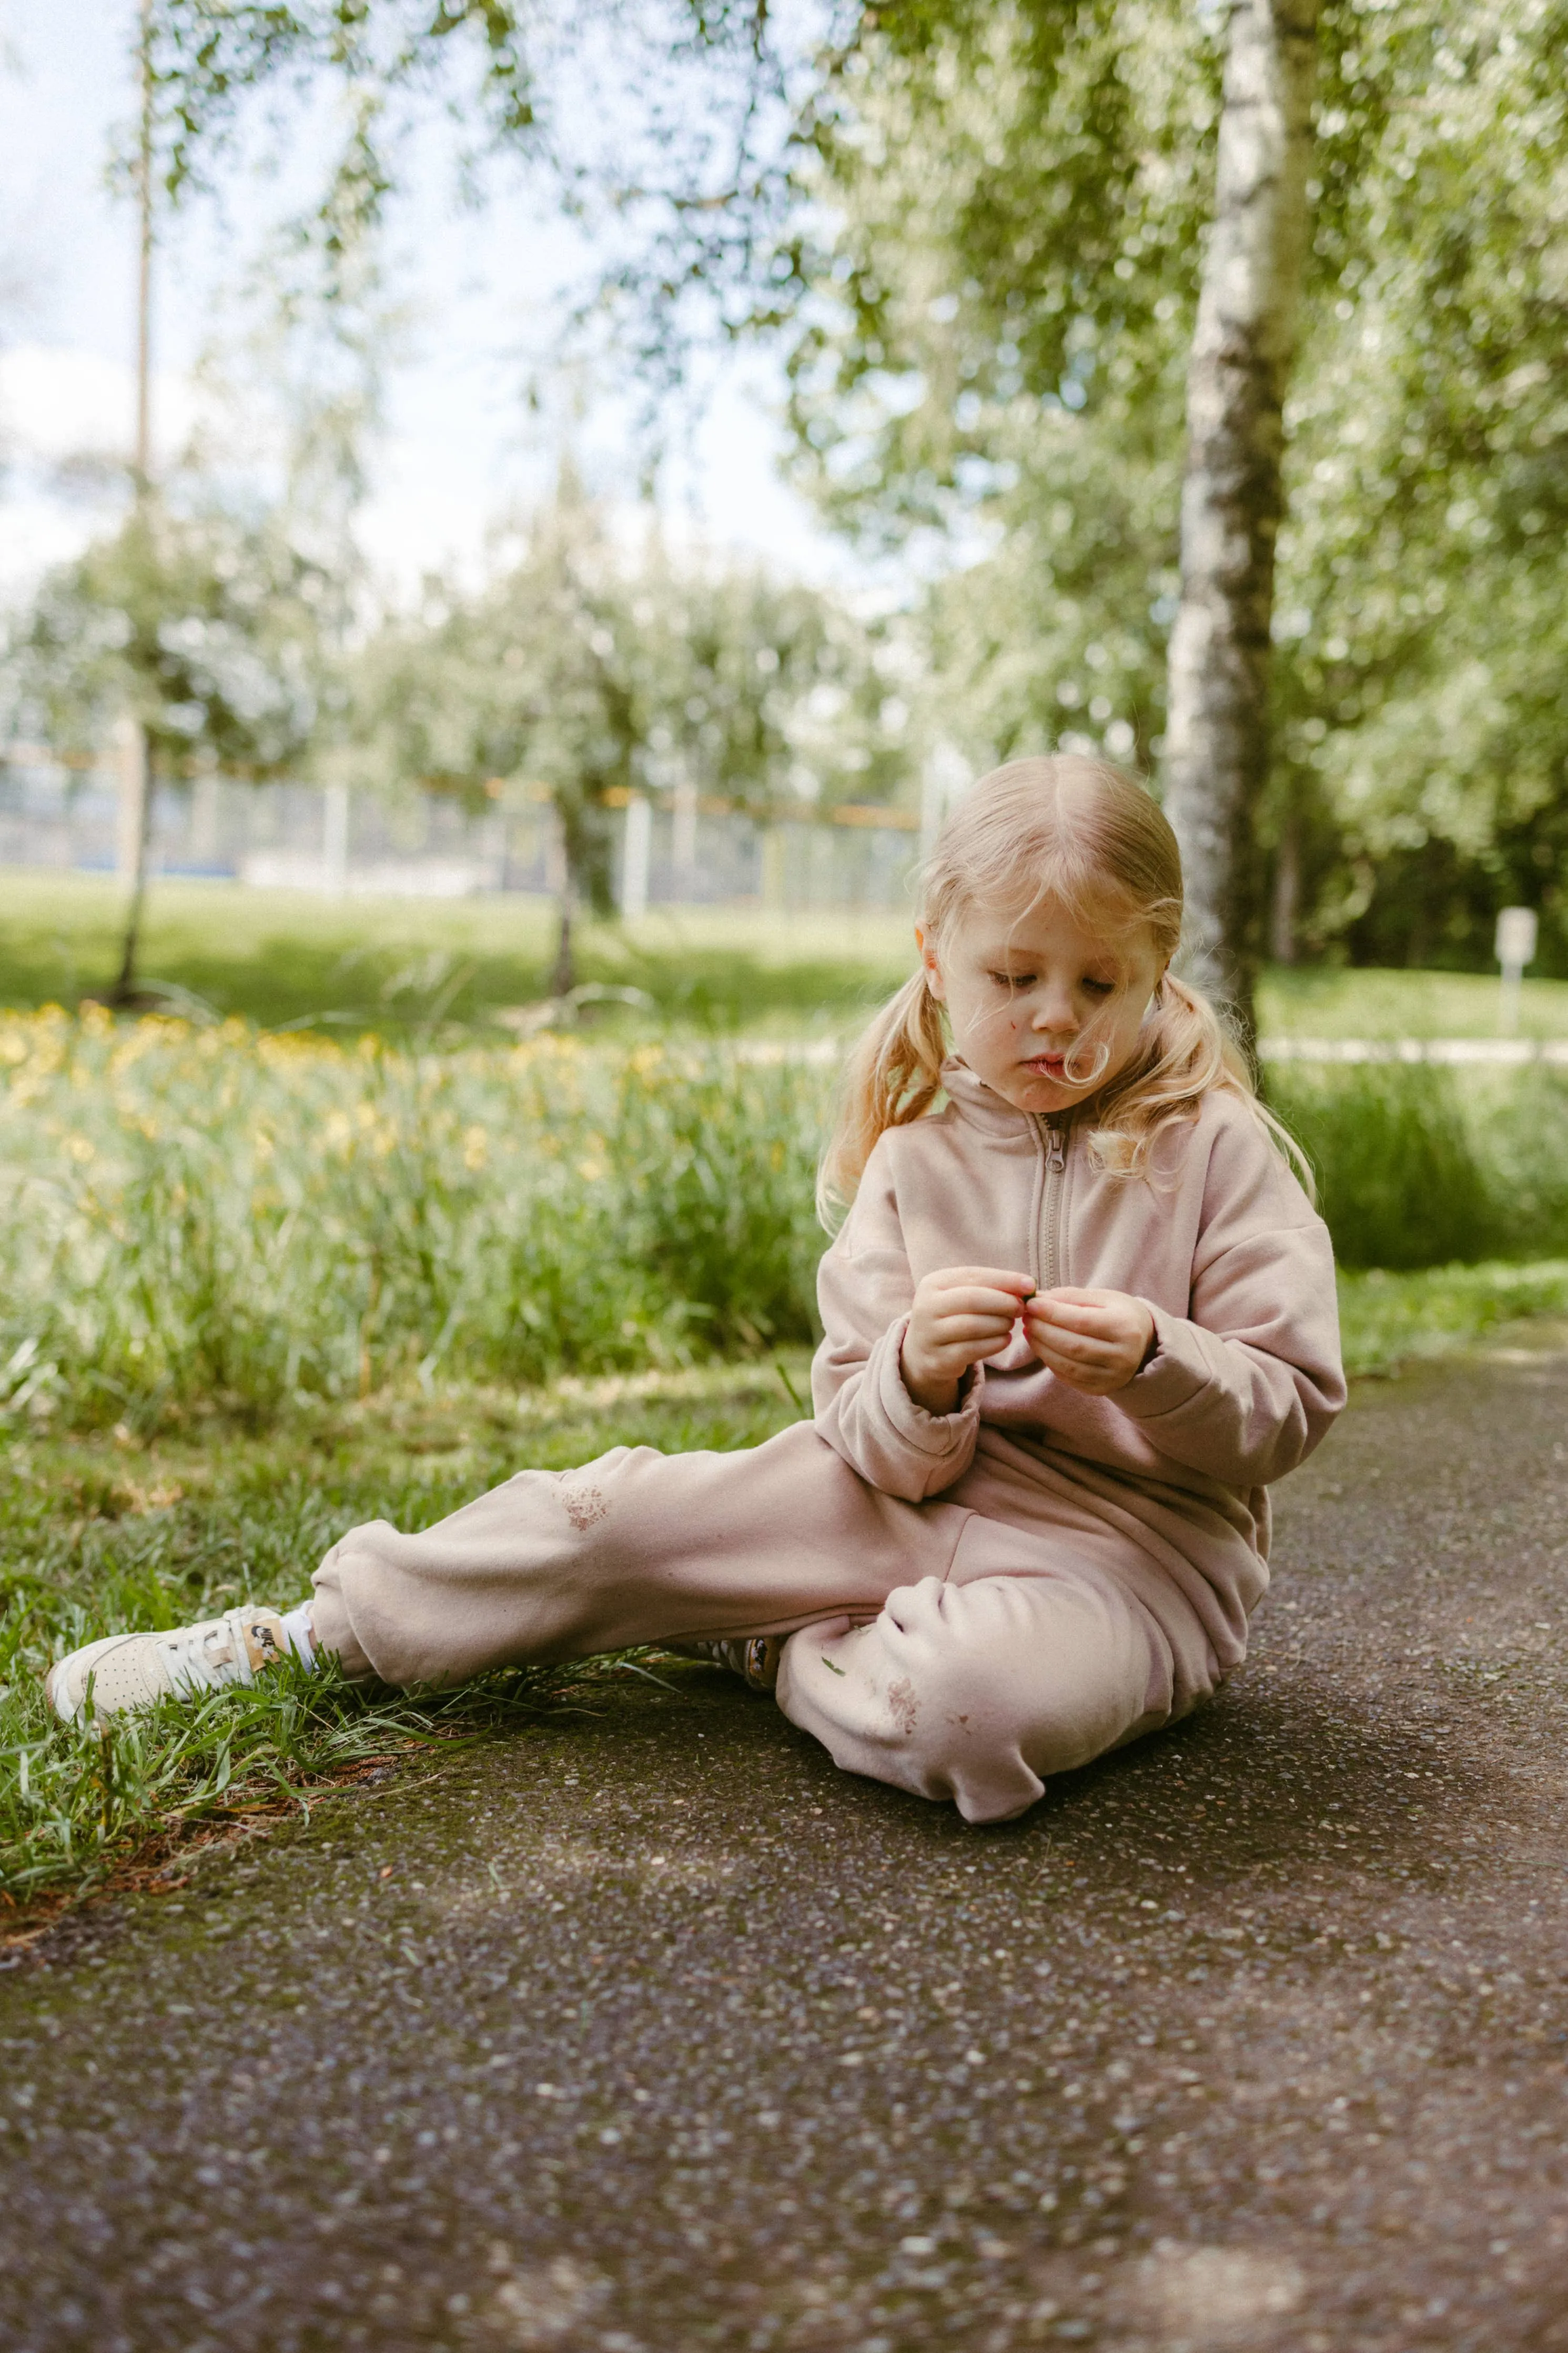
{"x":1024,"y":992}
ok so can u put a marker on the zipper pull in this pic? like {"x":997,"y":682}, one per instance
{"x":1056,"y":1158}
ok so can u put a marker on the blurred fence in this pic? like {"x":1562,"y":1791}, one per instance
{"x":677,"y":850}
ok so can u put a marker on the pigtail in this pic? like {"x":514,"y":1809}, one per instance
{"x":1188,"y":1053}
{"x":893,"y":1075}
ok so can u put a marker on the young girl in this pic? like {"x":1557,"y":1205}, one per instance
{"x":1075,"y":1321}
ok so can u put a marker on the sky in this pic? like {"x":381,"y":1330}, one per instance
{"x":480,"y":290}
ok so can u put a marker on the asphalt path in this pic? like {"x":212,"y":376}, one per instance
{"x":646,"y":2030}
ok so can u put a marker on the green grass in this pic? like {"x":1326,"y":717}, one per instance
{"x":1417,"y":1168}
{"x":1388,"y":1321}
{"x":280,"y":956}
{"x":102,"y":1531}
{"x":396,"y":965}
{"x":1324,"y":1002}
{"x":195,"y":1219}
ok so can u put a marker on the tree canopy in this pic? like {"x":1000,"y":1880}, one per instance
{"x":601,"y":663}
{"x":596,"y":667}
{"x":977,"y":231}
{"x":203,"y":623}
{"x":967,"y":368}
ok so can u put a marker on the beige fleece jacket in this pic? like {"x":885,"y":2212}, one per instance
{"x":1223,"y":1244}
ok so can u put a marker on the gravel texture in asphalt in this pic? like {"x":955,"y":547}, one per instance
{"x":647,"y":2031}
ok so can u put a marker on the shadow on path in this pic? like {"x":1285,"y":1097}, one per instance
{"x":646,"y":2030}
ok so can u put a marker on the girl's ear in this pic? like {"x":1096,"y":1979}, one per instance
{"x":934,"y":981}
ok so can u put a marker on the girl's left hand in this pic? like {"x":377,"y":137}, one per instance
{"x":1094,"y":1340}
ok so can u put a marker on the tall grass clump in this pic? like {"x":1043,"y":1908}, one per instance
{"x":1526,"y":1135}
{"x":229,"y":1219}
{"x":1401,"y":1176}
{"x":221,"y":1217}
{"x":1420,"y":1165}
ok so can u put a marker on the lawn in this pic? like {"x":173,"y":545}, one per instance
{"x":279,"y":956}
{"x":394,"y":965}
{"x":1329,"y":1002}
{"x":254,"y":1287}
{"x":102,"y":1529}
{"x":198,"y":1217}
{"x":193,"y":1216}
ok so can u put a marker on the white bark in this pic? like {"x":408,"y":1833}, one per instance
{"x":683,"y":838}
{"x":141,"y":456}
{"x":1216,"y":726}
{"x":637,"y":858}
{"x":336,"y":819}
{"x":129,"y":794}
{"x":136,"y":786}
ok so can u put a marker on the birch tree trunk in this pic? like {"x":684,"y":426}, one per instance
{"x":1216,"y":729}
{"x":561,"y":880}
{"x":124,"y":993}
{"x":139,"y":783}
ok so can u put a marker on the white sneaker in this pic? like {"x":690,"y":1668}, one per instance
{"x":131,"y":1670}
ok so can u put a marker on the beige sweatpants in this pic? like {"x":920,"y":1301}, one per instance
{"x":964,"y":1647}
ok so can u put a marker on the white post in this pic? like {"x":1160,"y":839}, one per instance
{"x":831,"y":866}
{"x":775,"y":869}
{"x":683,"y":846}
{"x":944,"y":782}
{"x":203,"y":844}
{"x":492,"y":840}
{"x":554,"y":853}
{"x":637,"y":858}
{"x":130,"y":790}
{"x":335,"y":840}
{"x":1514,"y":947}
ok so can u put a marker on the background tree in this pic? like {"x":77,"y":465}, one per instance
{"x":955,"y":383}
{"x":527,"y":677}
{"x":1244,"y":345}
{"x":598,"y":665}
{"x":1078,"y":144}
{"x":1421,"y":776}
{"x":980,"y":225}
{"x":203,"y":625}
{"x":1003,"y":278}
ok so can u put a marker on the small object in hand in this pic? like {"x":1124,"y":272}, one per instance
{"x":128,"y":1672}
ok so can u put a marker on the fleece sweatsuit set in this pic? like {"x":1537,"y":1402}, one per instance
{"x":979,"y":1599}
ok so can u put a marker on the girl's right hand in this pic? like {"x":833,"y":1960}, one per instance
{"x":960,"y":1317}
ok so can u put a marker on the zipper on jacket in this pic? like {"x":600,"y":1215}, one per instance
{"x":1055,"y":1140}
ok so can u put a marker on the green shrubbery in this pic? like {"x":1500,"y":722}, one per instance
{"x":1417,"y":1168}
{"x":273,"y":1226}
{"x":1399,"y":1177}
{"x":214,"y":1217}
{"x":220,"y":1217}
{"x":102,"y":1531}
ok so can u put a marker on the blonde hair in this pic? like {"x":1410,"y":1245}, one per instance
{"x":1082,"y":831}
